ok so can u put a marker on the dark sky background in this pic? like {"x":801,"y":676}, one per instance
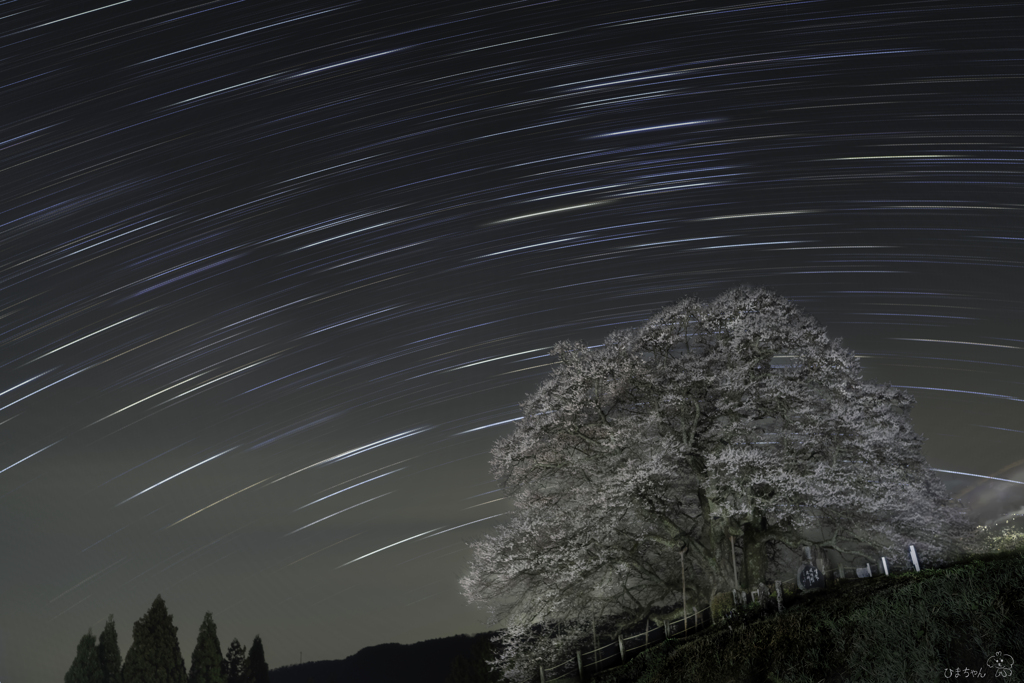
{"x":275,"y":275}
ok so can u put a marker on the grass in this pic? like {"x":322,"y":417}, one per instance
{"x":915,"y":626}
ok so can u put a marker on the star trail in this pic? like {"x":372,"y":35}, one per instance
{"x":275,"y":275}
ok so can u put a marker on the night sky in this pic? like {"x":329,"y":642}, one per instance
{"x":275,"y":275}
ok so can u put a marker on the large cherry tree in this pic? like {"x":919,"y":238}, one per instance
{"x":703,"y":449}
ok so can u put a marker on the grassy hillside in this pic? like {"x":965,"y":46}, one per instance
{"x":911,"y":627}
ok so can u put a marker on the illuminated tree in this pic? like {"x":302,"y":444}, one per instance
{"x":721,"y":432}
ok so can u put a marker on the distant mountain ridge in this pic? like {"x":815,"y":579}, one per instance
{"x":428,"y":661}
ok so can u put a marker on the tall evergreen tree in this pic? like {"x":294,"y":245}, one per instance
{"x":207,"y":662}
{"x":234,"y":663}
{"x":155,"y":656}
{"x":86,"y":667}
{"x":109,"y":653}
{"x":256,"y":669}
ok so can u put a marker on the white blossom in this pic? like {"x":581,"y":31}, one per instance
{"x":737,"y":418}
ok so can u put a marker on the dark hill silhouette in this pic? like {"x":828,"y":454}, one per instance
{"x":428,"y":661}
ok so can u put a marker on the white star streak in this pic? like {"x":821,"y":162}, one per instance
{"x":346,"y":62}
{"x":230,"y":87}
{"x":105,"y":538}
{"x":688,"y":239}
{"x":173,"y":386}
{"x":342,"y":483}
{"x":386,"y":547}
{"x":176,"y":475}
{"x":357,"y":451}
{"x":346,"y":322}
{"x":466,"y":524}
{"x":529,"y":246}
{"x":29,"y":456}
{"x":24,"y":383}
{"x":57,"y":21}
{"x":349,"y":488}
{"x":950,"y":341}
{"x":544,"y":213}
{"x":261,"y":28}
{"x":1002,"y":429}
{"x":379,"y":253}
{"x":319,"y":551}
{"x":980,"y":476}
{"x":91,"y":334}
{"x":747,"y":244}
{"x":491,"y":360}
{"x":644,"y":130}
{"x":754,"y":215}
{"x":44,"y":388}
{"x":219,"y":501}
{"x":224,"y":376}
{"x":487,"y":503}
{"x":493,"y":424}
{"x":338,"y":513}
{"x":85,"y":580}
{"x":347,"y":234}
{"x":962,"y":391}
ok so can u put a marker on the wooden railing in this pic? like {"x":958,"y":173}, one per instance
{"x":618,"y":652}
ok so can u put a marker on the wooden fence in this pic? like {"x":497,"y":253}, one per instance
{"x":618,"y":652}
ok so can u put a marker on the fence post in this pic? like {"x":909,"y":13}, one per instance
{"x":913,"y":556}
{"x":647,"y":634}
{"x":735,"y":576}
{"x":622,"y":650}
{"x":541,"y":666}
{"x":885,"y":566}
{"x":667,"y":626}
{"x":682,"y":573}
{"x":778,"y":593}
{"x":579,"y":663}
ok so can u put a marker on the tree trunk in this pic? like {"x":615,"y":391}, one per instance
{"x":682,"y":572}
{"x":732,"y":552}
{"x":714,"y":550}
{"x":754,"y":561}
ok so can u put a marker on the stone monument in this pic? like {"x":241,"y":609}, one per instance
{"x":808,"y":576}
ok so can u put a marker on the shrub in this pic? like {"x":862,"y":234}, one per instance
{"x":721,"y":604}
{"x":1006,"y":540}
